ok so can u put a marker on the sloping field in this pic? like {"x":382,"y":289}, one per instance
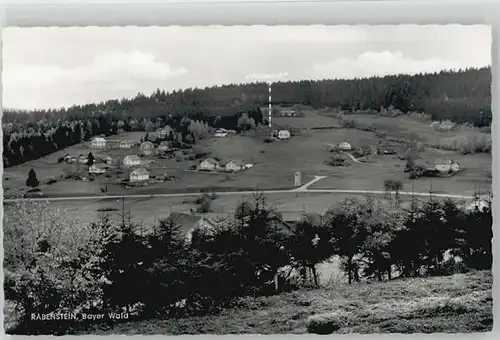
{"x":450,"y":304}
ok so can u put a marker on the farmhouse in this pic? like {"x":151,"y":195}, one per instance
{"x":139,"y":175}
{"x":164,"y":146}
{"x":98,"y":142}
{"x":283,"y":134}
{"x":208,"y":164}
{"x":344,"y":146}
{"x":446,"y":166}
{"x":189,"y":223}
{"x":97,"y":169}
{"x":131,"y":160}
{"x":126,"y":144}
{"x":164,"y":132}
{"x":220,"y":133}
{"x":234,"y":166}
{"x":83,"y":159}
{"x":147,"y":145}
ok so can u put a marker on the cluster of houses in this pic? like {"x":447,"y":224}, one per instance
{"x":133,"y":162}
{"x":211,"y":164}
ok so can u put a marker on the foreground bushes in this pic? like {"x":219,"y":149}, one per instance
{"x":56,"y":265}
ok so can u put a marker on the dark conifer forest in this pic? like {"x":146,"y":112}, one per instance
{"x":462,"y":96}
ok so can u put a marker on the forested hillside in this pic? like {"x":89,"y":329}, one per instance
{"x":463,"y":97}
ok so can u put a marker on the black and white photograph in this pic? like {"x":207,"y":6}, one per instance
{"x":247,"y":179}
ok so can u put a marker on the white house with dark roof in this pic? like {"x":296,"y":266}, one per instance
{"x":234,"y":165}
{"x":126,"y":144}
{"x":164,"y":146}
{"x":208,"y":164}
{"x":139,"y":175}
{"x":446,"y":166}
{"x":147,"y":145}
{"x":163,"y":132}
{"x":97,"y":169}
{"x":345,"y":146}
{"x":98,"y":142}
{"x":131,"y":160}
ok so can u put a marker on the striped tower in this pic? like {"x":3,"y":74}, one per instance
{"x":269,"y":105}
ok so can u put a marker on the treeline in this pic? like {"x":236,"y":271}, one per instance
{"x":25,"y":141}
{"x":462,"y":97}
{"x":104,"y":267}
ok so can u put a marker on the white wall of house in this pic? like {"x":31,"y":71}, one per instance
{"x":207,"y":166}
{"x":135,"y":177}
{"x":98,"y":142}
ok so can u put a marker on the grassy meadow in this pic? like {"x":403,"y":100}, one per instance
{"x":274,"y":167}
{"x":446,"y":304}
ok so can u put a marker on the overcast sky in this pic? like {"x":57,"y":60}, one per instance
{"x":53,"y":67}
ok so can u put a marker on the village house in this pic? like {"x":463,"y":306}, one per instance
{"x":98,"y":142}
{"x":147,"y":145}
{"x":220,"y":133}
{"x":131,"y":160}
{"x":283,"y":134}
{"x":164,"y":146}
{"x":189,"y":223}
{"x":139,"y":175}
{"x":163,"y":132}
{"x":234,"y":166}
{"x":446,"y":166}
{"x":83,"y":159}
{"x":97,"y":169}
{"x":208,"y":164}
{"x":345,"y":146}
{"x":126,"y":144}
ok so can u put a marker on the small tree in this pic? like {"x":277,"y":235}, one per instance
{"x":391,"y":185}
{"x":90,"y":159}
{"x":310,"y":245}
{"x":32,"y":181}
{"x":347,"y":233}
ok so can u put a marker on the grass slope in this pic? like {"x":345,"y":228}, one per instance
{"x":457,"y":303}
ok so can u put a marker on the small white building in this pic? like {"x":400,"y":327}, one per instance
{"x":83,"y":159}
{"x":220,"y":133}
{"x":97,"y":169}
{"x":345,"y":146}
{"x":283,"y":134}
{"x":446,"y":166}
{"x":98,"y":142}
{"x":208,"y":164}
{"x":139,"y":175}
{"x":126,"y":144}
{"x":131,"y":160}
{"x":147,"y":145}
{"x":163,"y":132}
{"x":234,"y":166}
{"x":164,"y":146}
